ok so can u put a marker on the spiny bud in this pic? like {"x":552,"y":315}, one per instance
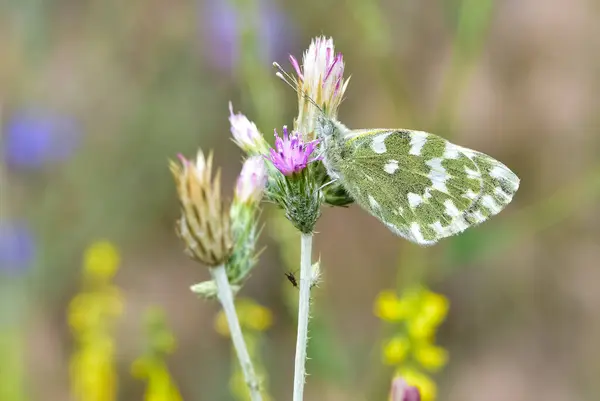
{"x":204,"y":224}
{"x":208,"y":289}
{"x":245,"y":133}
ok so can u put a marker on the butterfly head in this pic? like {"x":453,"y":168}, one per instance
{"x":324,"y":127}
{"x":329,"y":129}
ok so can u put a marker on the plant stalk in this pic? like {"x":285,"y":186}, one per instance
{"x":226,"y":298}
{"x":303,"y":314}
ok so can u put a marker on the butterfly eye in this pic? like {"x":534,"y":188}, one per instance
{"x":324,"y":127}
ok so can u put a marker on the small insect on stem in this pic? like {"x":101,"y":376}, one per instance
{"x":292,"y":279}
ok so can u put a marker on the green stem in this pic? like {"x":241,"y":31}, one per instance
{"x":226,"y":297}
{"x":303,"y":314}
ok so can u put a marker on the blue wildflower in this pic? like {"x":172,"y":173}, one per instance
{"x":17,"y":247}
{"x":35,"y":137}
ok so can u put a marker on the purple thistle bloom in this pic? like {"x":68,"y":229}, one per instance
{"x":17,"y":247}
{"x":36,"y":137}
{"x":291,"y":154}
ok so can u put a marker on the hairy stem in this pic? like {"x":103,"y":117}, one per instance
{"x":303,"y":309}
{"x":226,"y":297}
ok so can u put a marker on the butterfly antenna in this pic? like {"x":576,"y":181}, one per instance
{"x":292,"y":82}
{"x":285,"y":76}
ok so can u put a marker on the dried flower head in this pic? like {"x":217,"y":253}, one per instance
{"x":292,"y":154}
{"x":252,"y":180}
{"x":321,"y":78}
{"x":204,"y":224}
{"x":245,"y":133}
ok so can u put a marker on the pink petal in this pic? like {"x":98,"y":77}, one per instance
{"x":296,"y":67}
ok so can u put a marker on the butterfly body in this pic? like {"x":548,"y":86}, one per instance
{"x":421,"y":186}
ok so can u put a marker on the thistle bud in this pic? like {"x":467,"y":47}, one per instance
{"x":208,"y":289}
{"x":401,"y":391}
{"x":204,"y":224}
{"x":252,"y":180}
{"x":245,"y":133}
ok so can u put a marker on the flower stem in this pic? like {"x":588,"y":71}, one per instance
{"x":226,"y":298}
{"x":303,"y":309}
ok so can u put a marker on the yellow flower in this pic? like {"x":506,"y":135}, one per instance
{"x":159,"y":384}
{"x":221,"y":324}
{"x":93,"y":376}
{"x":426,"y":386}
{"x":430,"y":356}
{"x":395,"y":350}
{"x":388,"y":307}
{"x":435,"y":307}
{"x":430,"y":314}
{"x":252,"y":317}
{"x":101,"y":260}
{"x":256,"y":317}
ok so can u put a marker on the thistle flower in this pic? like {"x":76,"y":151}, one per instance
{"x":401,"y":391}
{"x":204,"y":224}
{"x":252,"y":180}
{"x":321,"y":78}
{"x":291,"y":154}
{"x":297,"y":192}
{"x":245,"y":133}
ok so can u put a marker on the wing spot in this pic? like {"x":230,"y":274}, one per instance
{"x":415,"y":230}
{"x":470,"y":194}
{"x":451,"y":151}
{"x":414,"y":200}
{"x":400,"y":231}
{"x":478,"y":216}
{"x":438,"y":174}
{"x":417,"y":141}
{"x":391,"y":166}
{"x":378,"y":143}
{"x":503,"y":195}
{"x":451,"y":209}
{"x":502,"y":172}
{"x":489,"y":202}
{"x":472,"y":173}
{"x":439,"y":229}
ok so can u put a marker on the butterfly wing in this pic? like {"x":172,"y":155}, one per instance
{"x":421,"y":186}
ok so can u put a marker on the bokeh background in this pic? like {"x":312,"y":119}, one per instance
{"x":97,"y":95}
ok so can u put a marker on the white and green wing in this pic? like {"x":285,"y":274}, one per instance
{"x":421,"y":186}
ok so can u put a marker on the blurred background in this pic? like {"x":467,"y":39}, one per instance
{"x":97,"y":95}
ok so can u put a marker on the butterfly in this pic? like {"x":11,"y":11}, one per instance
{"x":421,"y":186}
